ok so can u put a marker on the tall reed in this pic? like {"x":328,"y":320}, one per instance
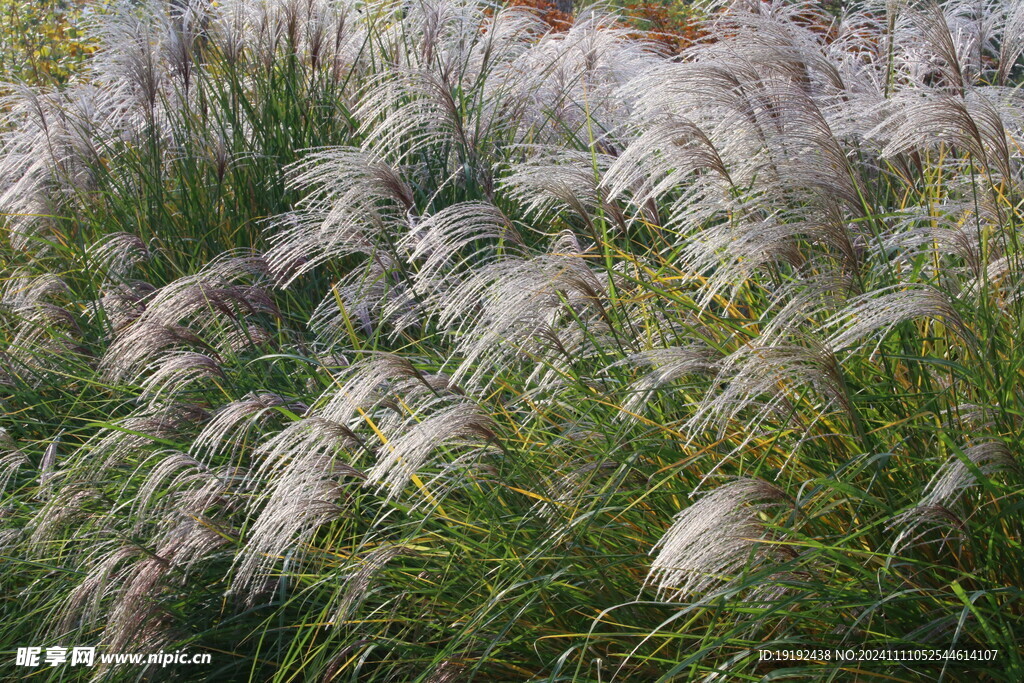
{"x":420,"y":341}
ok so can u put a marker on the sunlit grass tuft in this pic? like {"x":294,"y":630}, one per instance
{"x":426,"y":342}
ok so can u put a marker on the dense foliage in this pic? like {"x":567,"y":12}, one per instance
{"x":45,"y":41}
{"x":428,"y":341}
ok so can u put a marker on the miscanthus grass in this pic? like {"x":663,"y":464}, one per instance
{"x":417,"y":341}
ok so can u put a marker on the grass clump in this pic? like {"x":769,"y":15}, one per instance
{"x":421,"y":341}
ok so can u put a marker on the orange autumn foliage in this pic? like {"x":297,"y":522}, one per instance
{"x":666,"y":23}
{"x":548,"y":13}
{"x":662,"y":22}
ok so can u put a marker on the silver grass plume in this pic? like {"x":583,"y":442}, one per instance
{"x":307,"y":463}
{"x":231,"y":424}
{"x":117,"y":253}
{"x":1011,"y":45}
{"x":312,"y":438}
{"x":374,"y":295}
{"x":365,"y":393}
{"x":947,"y":486}
{"x":668,"y":155}
{"x":456,"y":238}
{"x":134,"y":55}
{"x":366,"y":383}
{"x":806,"y":304}
{"x":448,"y":671}
{"x":139,"y":343}
{"x":971,"y":417}
{"x":573,"y":77}
{"x":176,"y":476}
{"x":401,"y":456}
{"x":418,"y":103}
{"x":942,"y":230}
{"x":517,"y":307}
{"x":173,"y":372}
{"x":260,"y":34}
{"x":787,"y":40}
{"x":303,"y":464}
{"x":331,"y":424}
{"x":220,"y":291}
{"x":136,"y":616}
{"x":412,"y":110}
{"x":122,"y":304}
{"x":975,"y":122}
{"x":876,"y":313}
{"x":11,"y":460}
{"x":50,"y":149}
{"x":48,"y":465}
{"x":953,"y":477}
{"x":757,"y":385}
{"x":358,"y":582}
{"x":41,"y":330}
{"x":566,"y":179}
{"x":668,"y":365}
{"x":82,"y":608}
{"x":353,"y":197}
{"x":948,"y":42}
{"x":121,"y":581}
{"x":149,"y":425}
{"x":67,"y":507}
{"x":202,"y":310}
{"x":23,"y":290}
{"x":436,"y":251}
{"x":9,"y":538}
{"x":303,"y":497}
{"x":567,"y":493}
{"x":712,"y":541}
{"x":761,"y":167}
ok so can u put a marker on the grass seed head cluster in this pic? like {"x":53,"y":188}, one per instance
{"x":424,"y":341}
